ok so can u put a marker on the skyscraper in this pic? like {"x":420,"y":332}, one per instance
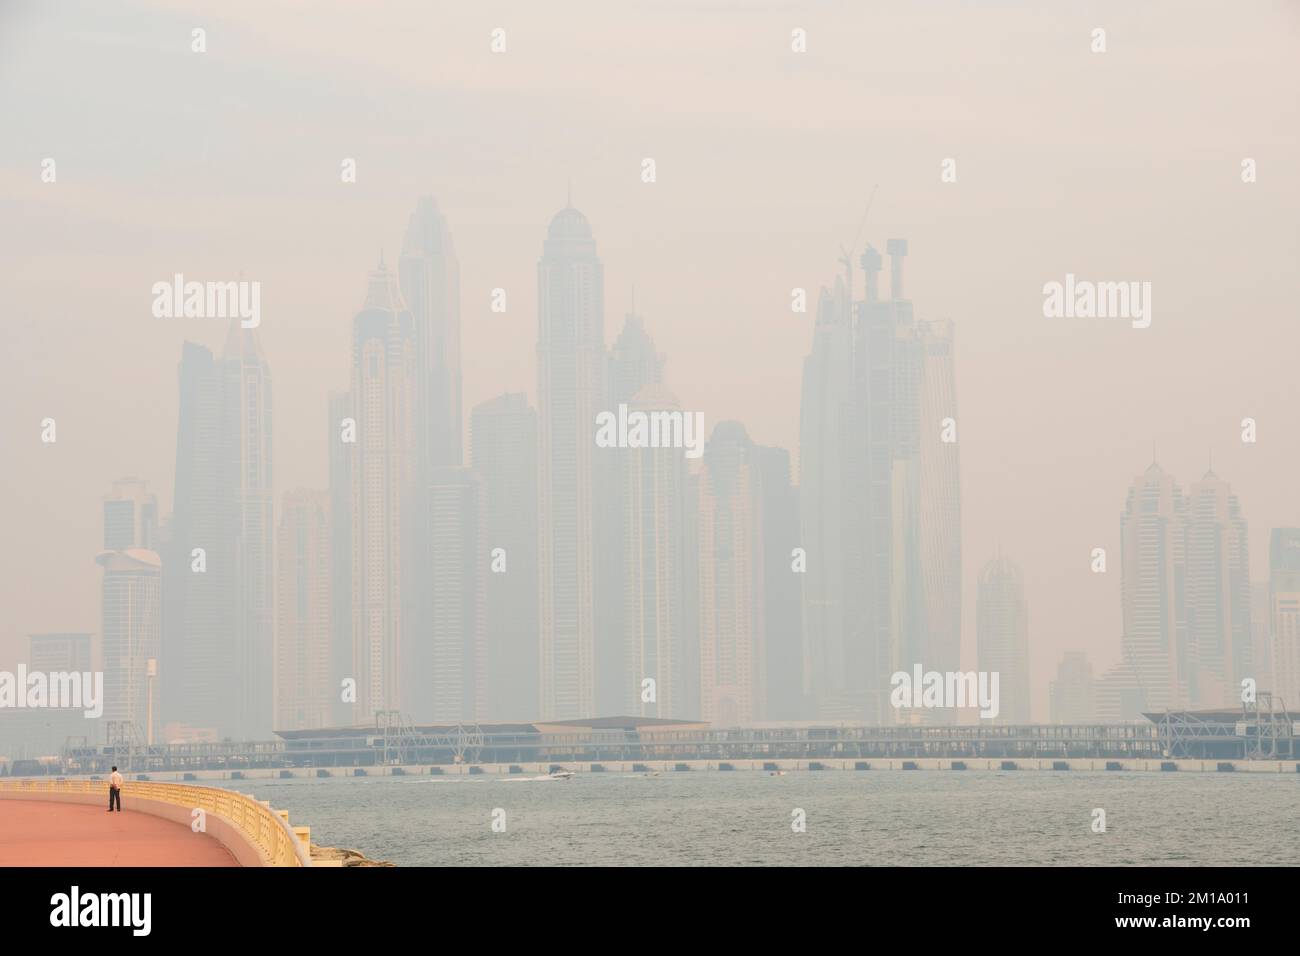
{"x":633,"y":364}
{"x":1002,"y":636}
{"x":429,"y":275}
{"x":1152,"y":588}
{"x":131,"y":609}
{"x":1120,"y":696}
{"x":458,"y":674}
{"x":895,"y":359}
{"x":503,"y":443}
{"x":130,"y":516}
{"x":1072,"y":697}
{"x":570,"y":391}
{"x":876,"y":504}
{"x":633,"y":361}
{"x":1261,"y":636}
{"x":304,"y":690}
{"x":939,"y":519}
{"x":733,"y":653}
{"x":383,"y":373}
{"x":201,"y":576}
{"x":653,"y":487}
{"x":247,"y":395}
{"x":782,"y":613}
{"x":218,"y":657}
{"x":340,"y":468}
{"x":1284,"y":607}
{"x":59,"y":652}
{"x":1217,"y":592}
{"x":836,"y":671}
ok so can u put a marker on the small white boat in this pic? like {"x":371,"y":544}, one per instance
{"x":561,"y":774}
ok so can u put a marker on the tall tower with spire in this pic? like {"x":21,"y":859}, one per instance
{"x":1217,"y":593}
{"x":633,"y":364}
{"x":1152,"y":582}
{"x":248,"y":416}
{"x":834,"y":673}
{"x":733,"y":647}
{"x":1002,"y":635}
{"x":429,"y":276}
{"x":382,"y":477}
{"x":570,"y":391}
{"x":219,"y":567}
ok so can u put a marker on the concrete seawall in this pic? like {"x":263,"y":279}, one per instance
{"x":868,"y":764}
{"x":247,"y":846}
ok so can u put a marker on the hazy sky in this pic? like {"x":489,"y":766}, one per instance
{"x":1116,"y":166}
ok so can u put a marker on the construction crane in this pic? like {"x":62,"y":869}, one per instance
{"x":844,"y":253}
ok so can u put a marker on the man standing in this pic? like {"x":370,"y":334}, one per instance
{"x":115,"y":791}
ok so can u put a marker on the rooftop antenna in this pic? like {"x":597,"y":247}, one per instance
{"x":568,"y":193}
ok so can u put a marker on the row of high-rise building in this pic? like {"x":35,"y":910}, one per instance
{"x":1197,"y":633}
{"x":551,"y":577}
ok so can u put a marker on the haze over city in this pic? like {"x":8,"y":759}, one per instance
{"x":1117,"y":167}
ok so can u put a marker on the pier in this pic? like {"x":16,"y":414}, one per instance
{"x":1176,"y":737}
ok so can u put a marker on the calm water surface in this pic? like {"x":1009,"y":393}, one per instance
{"x":853,"y":818}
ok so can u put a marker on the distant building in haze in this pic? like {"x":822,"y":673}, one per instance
{"x":782,"y":614}
{"x":56,"y":653}
{"x":1002,"y":636}
{"x":1284,"y":608}
{"x":1072,"y":696}
{"x":654,"y":541}
{"x":503,"y":443}
{"x":304,"y":689}
{"x":633,"y":363}
{"x":838,"y":652}
{"x":130,"y":517}
{"x":570,"y":391}
{"x":131,"y":611}
{"x":1120,"y":696}
{"x":218,"y":655}
{"x":1153,"y":573}
{"x":131,"y":608}
{"x":1217,"y":656}
{"x":340,"y":480}
{"x":733,"y":652}
{"x":458,"y":676}
{"x":382,"y":472}
{"x":939,"y":519}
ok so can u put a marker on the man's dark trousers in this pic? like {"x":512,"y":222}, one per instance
{"x":114,"y":797}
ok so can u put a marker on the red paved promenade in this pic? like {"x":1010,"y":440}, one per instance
{"x":46,"y":833}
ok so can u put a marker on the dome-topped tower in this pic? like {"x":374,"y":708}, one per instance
{"x":571,"y":224}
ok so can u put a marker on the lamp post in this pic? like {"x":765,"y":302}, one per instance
{"x":151,"y":671}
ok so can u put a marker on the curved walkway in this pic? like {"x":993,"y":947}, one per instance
{"x":39,"y":833}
